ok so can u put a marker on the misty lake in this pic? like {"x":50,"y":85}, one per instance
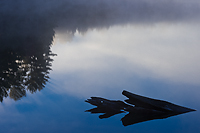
{"x":55,"y":55}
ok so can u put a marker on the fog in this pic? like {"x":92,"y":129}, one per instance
{"x":71,"y":15}
{"x":149,"y":47}
{"x":37,"y":18}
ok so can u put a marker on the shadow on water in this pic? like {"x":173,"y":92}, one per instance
{"x":139,"y":108}
{"x":25,"y":55}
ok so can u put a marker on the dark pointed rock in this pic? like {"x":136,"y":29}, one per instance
{"x":150,"y":103}
{"x":144,"y":108}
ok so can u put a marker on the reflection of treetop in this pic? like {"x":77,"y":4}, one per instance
{"x":25,"y":56}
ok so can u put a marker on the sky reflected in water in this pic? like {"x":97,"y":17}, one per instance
{"x":114,"y":56}
{"x":103,"y":47}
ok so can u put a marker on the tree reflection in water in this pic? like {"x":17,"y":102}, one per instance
{"x":143,"y":109}
{"x":25,"y":56}
{"x":26,"y":32}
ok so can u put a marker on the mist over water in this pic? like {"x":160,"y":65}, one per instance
{"x":148,"y":47}
{"x":86,"y":14}
{"x":154,"y":22}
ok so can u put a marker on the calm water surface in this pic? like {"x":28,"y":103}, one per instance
{"x":54,"y":55}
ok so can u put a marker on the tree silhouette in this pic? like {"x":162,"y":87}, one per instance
{"x":25,"y":55}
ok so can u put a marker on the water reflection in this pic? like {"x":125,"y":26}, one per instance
{"x":25,"y":56}
{"x":26,"y":34}
{"x":144,"y":108}
{"x":28,"y":26}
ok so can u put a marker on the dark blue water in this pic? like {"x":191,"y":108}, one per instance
{"x":55,"y":55}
